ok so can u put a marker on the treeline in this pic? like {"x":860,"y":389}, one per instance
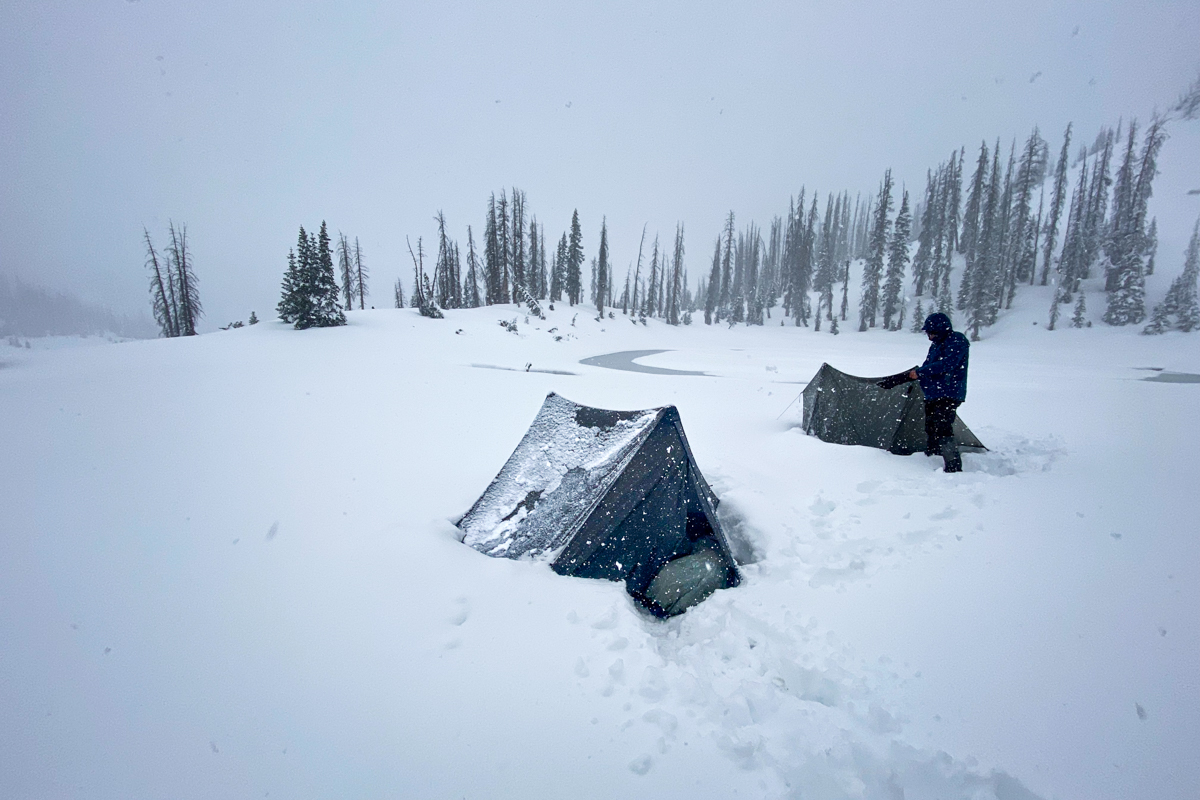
{"x":978,"y":241}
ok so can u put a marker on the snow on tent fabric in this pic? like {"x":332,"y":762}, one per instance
{"x":613,"y":495}
{"x":847,"y":409}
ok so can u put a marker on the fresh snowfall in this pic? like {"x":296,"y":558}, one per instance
{"x":229,"y":567}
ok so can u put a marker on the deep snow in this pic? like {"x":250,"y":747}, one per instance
{"x":228,"y":568}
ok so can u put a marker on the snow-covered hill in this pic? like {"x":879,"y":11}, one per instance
{"x":228,"y":569}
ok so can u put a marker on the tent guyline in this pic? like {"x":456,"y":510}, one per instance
{"x":606,"y":494}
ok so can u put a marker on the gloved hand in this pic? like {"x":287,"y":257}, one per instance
{"x":892,"y":381}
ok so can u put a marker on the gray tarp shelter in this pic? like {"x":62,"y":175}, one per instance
{"x":847,"y":409}
{"x":608,"y":494}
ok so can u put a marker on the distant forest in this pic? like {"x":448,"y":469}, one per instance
{"x":1015,"y":219}
{"x":30,"y":311}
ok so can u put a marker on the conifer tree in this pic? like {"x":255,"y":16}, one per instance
{"x":398,"y":293}
{"x":1031,"y":170}
{"x":320,"y":309}
{"x":1126,"y":245}
{"x":1181,"y":307}
{"x":517,"y":245}
{"x":897,"y":263}
{"x":918,"y":318}
{"x":161,"y":302}
{"x":574,"y":272}
{"x":503,"y":249}
{"x":674,"y":287}
{"x":650,"y":302}
{"x":725,"y":300}
{"x":491,"y":255}
{"x":1056,"y":205}
{"x":558,"y":272}
{"x":923,"y":261}
{"x":361,"y":275}
{"x":602,"y":267}
{"x":345,"y":267}
{"x":868,"y":306}
{"x":471,"y":296}
{"x":972,"y":214}
{"x":445,"y":282}
{"x":188,"y":309}
{"x":1080,"y":316}
{"x":712,"y":294}
{"x":288,"y":307}
{"x":1151,"y":245}
{"x":533,"y":271}
{"x":1054,"y":304}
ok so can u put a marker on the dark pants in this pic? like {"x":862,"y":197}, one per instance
{"x":939,"y":431}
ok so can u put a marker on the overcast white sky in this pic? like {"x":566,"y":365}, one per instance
{"x":246,"y":120}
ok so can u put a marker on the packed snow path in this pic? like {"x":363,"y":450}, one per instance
{"x":228,"y":568}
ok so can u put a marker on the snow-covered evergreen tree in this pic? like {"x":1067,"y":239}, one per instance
{"x":289,"y":292}
{"x":321,"y":309}
{"x":1056,"y":205}
{"x":574,"y":265}
{"x":602,"y":268}
{"x":897,"y":263}
{"x":1125,"y":247}
{"x":868,"y":304}
{"x":712,"y":295}
{"x":1180,"y":309}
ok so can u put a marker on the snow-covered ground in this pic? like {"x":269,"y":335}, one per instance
{"x":228,"y":569}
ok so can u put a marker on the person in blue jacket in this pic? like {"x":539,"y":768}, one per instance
{"x":943,"y":379}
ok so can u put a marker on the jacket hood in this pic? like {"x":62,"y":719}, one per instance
{"x":937,"y":324}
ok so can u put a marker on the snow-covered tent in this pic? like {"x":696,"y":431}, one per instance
{"x":608,"y":494}
{"x":847,"y":409}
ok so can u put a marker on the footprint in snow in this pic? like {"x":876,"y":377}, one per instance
{"x":641,"y":765}
{"x":1141,"y":712}
{"x":461,"y":611}
{"x":274,"y":529}
{"x":947,"y":513}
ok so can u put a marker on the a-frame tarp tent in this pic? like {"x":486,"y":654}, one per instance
{"x":847,"y":409}
{"x":608,"y":494}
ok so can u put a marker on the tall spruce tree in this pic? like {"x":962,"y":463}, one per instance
{"x":897,"y":263}
{"x":1056,"y":205}
{"x":868,"y":307}
{"x":491,"y":255}
{"x":602,"y":268}
{"x":1125,"y":248}
{"x":574,"y":282}
{"x":322,"y":309}
{"x":712,"y":294}
{"x":725,"y":301}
